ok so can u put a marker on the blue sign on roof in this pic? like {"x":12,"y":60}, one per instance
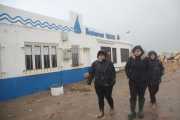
{"x":77,"y":28}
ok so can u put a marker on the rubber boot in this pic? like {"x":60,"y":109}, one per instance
{"x":141,"y":105}
{"x":133,"y":107}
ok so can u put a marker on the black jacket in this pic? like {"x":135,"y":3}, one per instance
{"x":157,"y":70}
{"x":103,"y":71}
{"x":138,"y":68}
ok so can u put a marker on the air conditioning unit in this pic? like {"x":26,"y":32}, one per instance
{"x":64,"y":39}
{"x":64,"y":36}
{"x":67,"y":53}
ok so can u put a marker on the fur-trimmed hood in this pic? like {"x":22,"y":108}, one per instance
{"x":143,"y":56}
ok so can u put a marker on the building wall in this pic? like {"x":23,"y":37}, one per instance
{"x":19,"y":28}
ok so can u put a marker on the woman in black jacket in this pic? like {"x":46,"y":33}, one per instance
{"x":155,"y":77}
{"x":137,"y":70}
{"x":104,"y":72}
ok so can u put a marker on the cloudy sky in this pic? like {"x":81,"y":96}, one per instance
{"x":153,"y":24}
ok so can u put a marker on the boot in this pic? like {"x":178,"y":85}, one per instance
{"x":112,"y":110}
{"x":101,"y":114}
{"x":141,"y":105}
{"x":133,"y":107}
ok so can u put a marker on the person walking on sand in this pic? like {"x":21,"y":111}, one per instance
{"x":155,"y":77}
{"x":105,"y":75}
{"x":137,"y":70}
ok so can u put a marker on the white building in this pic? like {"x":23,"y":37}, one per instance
{"x":37,"y":51}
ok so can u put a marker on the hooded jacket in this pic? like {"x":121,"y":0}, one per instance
{"x":103,"y":71}
{"x":102,"y":52}
{"x":157,"y":70}
{"x":138,"y":68}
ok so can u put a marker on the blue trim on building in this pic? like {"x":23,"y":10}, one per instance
{"x":86,"y":69}
{"x":12,"y":88}
{"x":34,"y":24}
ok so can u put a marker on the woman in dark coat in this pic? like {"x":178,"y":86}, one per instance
{"x":104,"y":72}
{"x":155,"y":77}
{"x":137,"y":70}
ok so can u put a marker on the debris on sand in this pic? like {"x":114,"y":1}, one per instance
{"x":84,"y":90}
{"x":80,"y":90}
{"x":174,"y":57}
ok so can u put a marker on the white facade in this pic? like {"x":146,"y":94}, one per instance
{"x":15,"y":35}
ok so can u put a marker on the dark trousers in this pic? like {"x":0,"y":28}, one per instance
{"x":137,"y":90}
{"x":104,"y":91}
{"x":153,"y":89}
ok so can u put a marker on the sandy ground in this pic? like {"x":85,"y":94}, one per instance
{"x":77,"y":103}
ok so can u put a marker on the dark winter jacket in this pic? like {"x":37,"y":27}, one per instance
{"x":157,"y":70}
{"x":104,"y":73}
{"x":138,"y":68}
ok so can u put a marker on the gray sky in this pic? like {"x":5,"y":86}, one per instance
{"x":153,"y":24}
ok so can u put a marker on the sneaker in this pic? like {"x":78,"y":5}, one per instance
{"x":154,"y":106}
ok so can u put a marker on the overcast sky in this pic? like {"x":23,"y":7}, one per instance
{"x":153,"y":24}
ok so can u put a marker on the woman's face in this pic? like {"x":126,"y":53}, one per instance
{"x":152,"y":56}
{"x":137,"y":52}
{"x":101,"y":56}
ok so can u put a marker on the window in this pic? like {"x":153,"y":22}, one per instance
{"x":53,"y":56}
{"x":28,"y":57}
{"x":38,"y":62}
{"x":40,"y":59}
{"x":124,"y":54}
{"x":46,"y":56}
{"x":75,"y":56}
{"x":114,"y":55}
